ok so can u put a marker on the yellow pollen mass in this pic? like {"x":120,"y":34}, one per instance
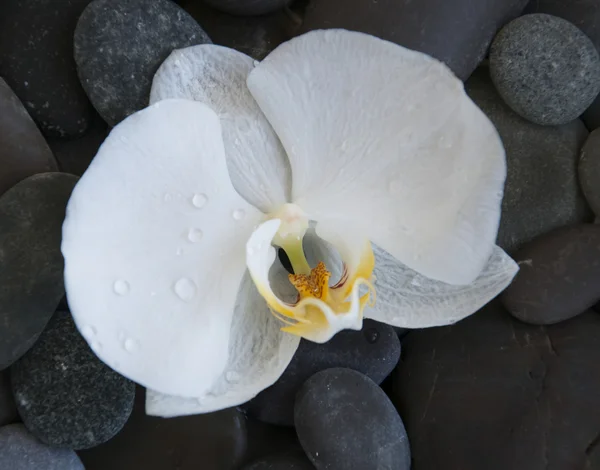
{"x":315,"y":284}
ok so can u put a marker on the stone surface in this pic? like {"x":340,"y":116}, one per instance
{"x":36,"y":60}
{"x":457,"y":33}
{"x":589,"y":170}
{"x":8,"y":409}
{"x":542,"y":192}
{"x":31,"y":264}
{"x":74,"y":156}
{"x":545,"y":68}
{"x":23,"y":150}
{"x":120,"y":45}
{"x":65,"y":395}
{"x":374,"y":351}
{"x":297,"y":461}
{"x":344,"y":420}
{"x":210,"y":441}
{"x":248,"y":7}
{"x":494,"y":393}
{"x":559,"y":276}
{"x":19,"y":450}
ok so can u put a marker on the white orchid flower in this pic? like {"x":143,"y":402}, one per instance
{"x":366,"y":162}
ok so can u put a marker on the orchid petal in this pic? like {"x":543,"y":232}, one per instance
{"x":216,"y":76}
{"x":154,"y":247}
{"x":387,"y":136}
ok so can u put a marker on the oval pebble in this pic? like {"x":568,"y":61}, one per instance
{"x":374,"y":351}
{"x":120,"y":45}
{"x":559,"y":276}
{"x":31,"y":264}
{"x":344,"y":420}
{"x":248,"y":7}
{"x":65,"y":395}
{"x":19,"y":450}
{"x":545,"y":68}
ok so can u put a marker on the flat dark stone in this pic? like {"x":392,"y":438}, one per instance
{"x":209,"y":441}
{"x":31,"y":264}
{"x":248,"y":7}
{"x":542,"y":191}
{"x":120,"y":45}
{"x":344,"y":420}
{"x":559,"y":276}
{"x":493,"y":393}
{"x":19,"y":450}
{"x":23,"y":150}
{"x":589,"y":170}
{"x":65,"y":395}
{"x":36,"y":60}
{"x":374,"y":351}
{"x":457,"y":32}
{"x":8,"y":409}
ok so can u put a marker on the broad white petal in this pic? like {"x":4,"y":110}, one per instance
{"x":407,"y":299}
{"x":386,"y":135}
{"x":154,"y":247}
{"x":216,"y":76}
{"x":259,"y":352}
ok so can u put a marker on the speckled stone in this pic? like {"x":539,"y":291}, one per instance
{"x":31,"y":264}
{"x":248,"y":7}
{"x":545,"y":68}
{"x":23,"y":150}
{"x":542,"y":191}
{"x":36,"y":60}
{"x":493,"y":393}
{"x":8,"y":409}
{"x":344,"y":420}
{"x":65,"y":395}
{"x":19,"y":450}
{"x":589,"y":170}
{"x":120,"y":45}
{"x":374,"y":351}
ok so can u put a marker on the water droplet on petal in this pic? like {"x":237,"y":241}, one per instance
{"x":130,"y":345}
{"x":167,"y":197}
{"x":200,"y":401}
{"x":445,"y":142}
{"x":262,"y":187}
{"x":121,"y":287}
{"x":344,"y":145}
{"x":185,"y":289}
{"x":195,"y":235}
{"x":88,"y":332}
{"x":199,"y":200}
{"x":239,"y":214}
{"x":96,"y":346}
{"x":232,"y":376}
{"x":256,"y":63}
{"x":250,"y":251}
{"x":179,"y":251}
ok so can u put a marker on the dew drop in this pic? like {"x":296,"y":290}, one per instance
{"x":445,"y":142}
{"x":130,"y":345}
{"x":179,"y":251}
{"x":167,"y":197}
{"x":232,"y":376}
{"x":256,"y":63}
{"x":185,"y":289}
{"x":96,"y":346}
{"x":121,"y":287}
{"x":344,"y":145}
{"x":200,"y":401}
{"x":262,"y":187}
{"x":238,"y":214}
{"x":371,"y":335}
{"x":88,"y":332}
{"x":250,"y":251}
{"x":199,"y":200}
{"x":195,"y":235}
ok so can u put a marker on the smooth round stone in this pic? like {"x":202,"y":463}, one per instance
{"x":545,"y":69}
{"x":344,"y":420}
{"x":297,"y":461}
{"x":541,"y":192}
{"x":36,"y":60}
{"x":589,"y":170}
{"x":559,"y":276}
{"x":248,"y":7}
{"x":65,"y":395}
{"x":120,"y":45}
{"x":456,"y":32}
{"x":491,"y":392}
{"x":208,"y":441}
{"x":19,"y":450}
{"x":31,"y":264}
{"x":8,"y":409}
{"x":23,"y":150}
{"x":374,"y":351}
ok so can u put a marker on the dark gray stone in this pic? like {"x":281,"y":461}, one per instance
{"x":493,"y":393}
{"x":559,"y":276}
{"x":248,"y":7}
{"x":36,"y":60}
{"x":545,"y":69}
{"x":208,"y":441}
{"x":120,"y":45}
{"x":297,"y":461}
{"x":65,"y":395}
{"x":374,"y":351}
{"x":31,"y":264}
{"x":19,"y":450}
{"x":344,"y":420}
{"x":589,"y":170}
{"x":542,"y":191}
{"x":8,"y":409}
{"x":457,"y":32}
{"x":23,"y":150}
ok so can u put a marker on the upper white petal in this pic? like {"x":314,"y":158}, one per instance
{"x":216,"y":76}
{"x":386,"y":135}
{"x":154,"y":244}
